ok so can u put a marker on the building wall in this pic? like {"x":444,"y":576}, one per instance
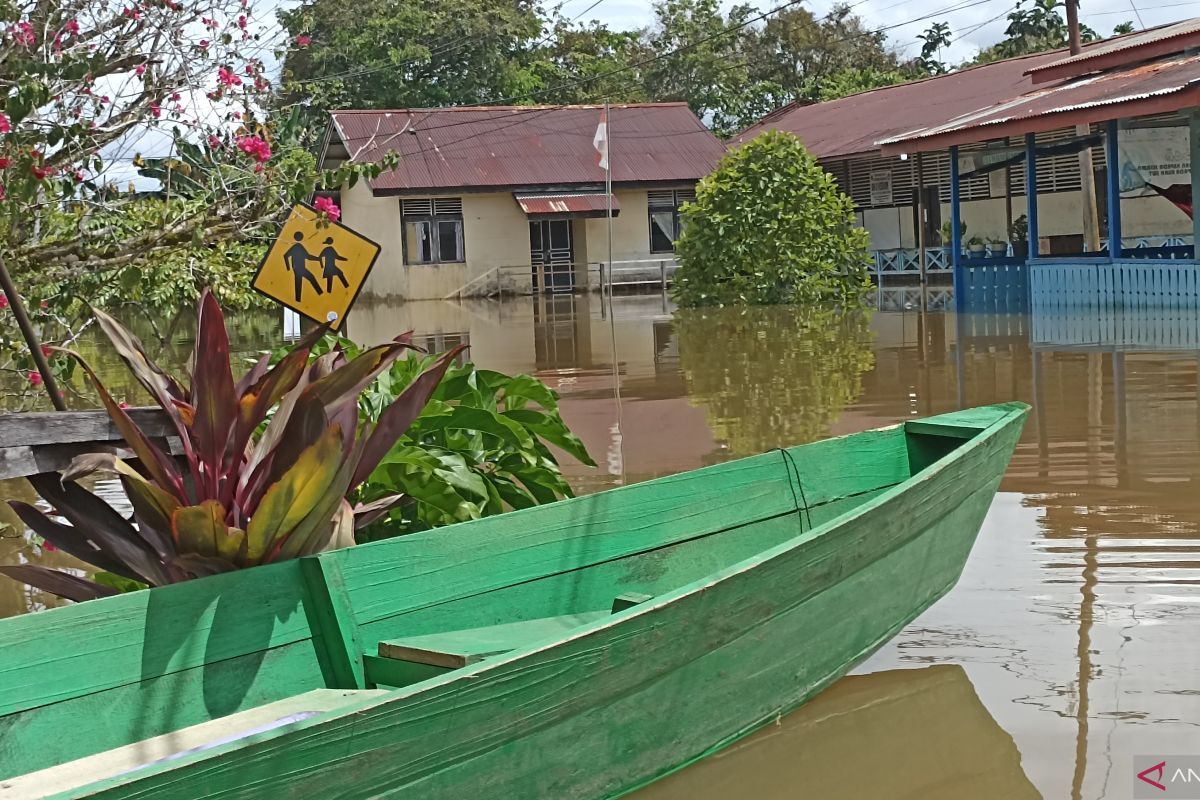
{"x":495,"y":234}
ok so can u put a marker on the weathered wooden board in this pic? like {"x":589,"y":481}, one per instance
{"x":34,"y":442}
{"x":585,"y":718}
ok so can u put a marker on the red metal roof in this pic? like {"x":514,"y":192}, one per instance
{"x":535,"y":146}
{"x":589,"y":204}
{"x":1159,"y":87}
{"x":1122,"y":51}
{"x":854,"y":125}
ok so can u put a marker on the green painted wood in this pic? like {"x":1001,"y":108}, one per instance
{"x":74,"y":651}
{"x":582,"y":717}
{"x":332,"y":623}
{"x":429,"y":569}
{"x":459,"y":648}
{"x":391,"y":672}
{"x":59,"y":732}
{"x":629,"y":600}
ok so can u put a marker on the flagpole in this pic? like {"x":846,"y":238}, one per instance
{"x":618,"y":436}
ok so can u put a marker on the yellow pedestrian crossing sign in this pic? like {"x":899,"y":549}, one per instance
{"x":316,"y":266}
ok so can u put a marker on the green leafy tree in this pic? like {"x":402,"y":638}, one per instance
{"x":932,"y":42}
{"x":797,"y":55}
{"x":407,"y":53}
{"x":590,"y":63}
{"x":1123,"y":28}
{"x":1034,"y":29}
{"x":769,"y":225}
{"x":853,"y":80}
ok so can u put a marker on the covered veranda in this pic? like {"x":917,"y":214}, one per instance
{"x":1131,"y":83}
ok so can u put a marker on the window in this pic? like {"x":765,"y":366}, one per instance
{"x":664,"y":217}
{"x":433,"y":231}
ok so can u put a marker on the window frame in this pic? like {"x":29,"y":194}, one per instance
{"x":436,"y":211}
{"x":678,"y":198}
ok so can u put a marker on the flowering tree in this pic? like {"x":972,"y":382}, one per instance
{"x":85,"y":86}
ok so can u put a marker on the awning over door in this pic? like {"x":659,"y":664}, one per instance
{"x":542,"y":205}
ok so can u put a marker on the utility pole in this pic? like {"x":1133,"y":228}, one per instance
{"x":1087,"y":176}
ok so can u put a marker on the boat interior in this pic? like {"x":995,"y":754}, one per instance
{"x":156,"y":675}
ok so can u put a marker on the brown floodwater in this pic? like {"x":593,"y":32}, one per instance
{"x":1071,"y":643}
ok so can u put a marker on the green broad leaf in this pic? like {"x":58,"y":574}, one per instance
{"x":200,"y":528}
{"x":122,"y":585}
{"x":297,"y":492}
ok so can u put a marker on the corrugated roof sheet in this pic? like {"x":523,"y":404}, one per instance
{"x":473,"y":147}
{"x":1157,"y":87}
{"x":1123,"y":50}
{"x":543,"y":204}
{"x":853,"y":125}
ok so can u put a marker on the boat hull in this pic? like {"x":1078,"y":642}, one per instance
{"x":625,"y":700}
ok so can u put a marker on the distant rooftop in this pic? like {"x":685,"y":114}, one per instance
{"x":974,"y":97}
{"x":477,"y":147}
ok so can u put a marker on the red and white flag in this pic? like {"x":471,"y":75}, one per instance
{"x":600,"y":141}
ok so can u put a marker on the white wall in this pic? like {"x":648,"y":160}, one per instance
{"x":495,"y":234}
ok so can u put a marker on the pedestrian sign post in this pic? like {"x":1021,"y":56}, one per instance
{"x":316,"y":267}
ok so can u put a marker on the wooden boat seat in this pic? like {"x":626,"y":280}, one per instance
{"x":180,"y":743}
{"x":454,"y":649}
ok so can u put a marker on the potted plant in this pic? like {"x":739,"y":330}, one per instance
{"x":1018,"y":234}
{"x":975,"y":247}
{"x":997,"y":248}
{"x":947,"y":241}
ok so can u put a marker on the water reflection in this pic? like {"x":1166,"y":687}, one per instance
{"x":1075,"y":624}
{"x":920,"y":734}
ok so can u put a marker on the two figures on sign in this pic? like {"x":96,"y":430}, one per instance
{"x":296,"y":261}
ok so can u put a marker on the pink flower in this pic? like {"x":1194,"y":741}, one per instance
{"x":242,"y":21}
{"x":156,"y":110}
{"x":227,"y":77}
{"x":23,"y":34}
{"x":3,"y":300}
{"x":41,"y":172}
{"x":79,"y":178}
{"x":303,"y":40}
{"x":255,"y":146}
{"x":104,"y":99}
{"x":209,"y":23}
{"x":132,"y":13}
{"x":214,"y":143}
{"x":48,"y":547}
{"x":175,"y":96}
{"x":328,"y":208}
{"x":35,"y":377}
{"x":47,"y":350}
{"x":44,"y":304}
{"x":5,"y":162}
{"x":140,"y":70}
{"x":72,"y":28}
{"x":5,"y":123}
{"x":122,"y":405}
{"x":202,"y":44}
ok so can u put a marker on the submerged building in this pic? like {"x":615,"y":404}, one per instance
{"x":493,"y":196}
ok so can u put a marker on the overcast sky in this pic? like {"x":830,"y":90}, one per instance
{"x":975,"y":24}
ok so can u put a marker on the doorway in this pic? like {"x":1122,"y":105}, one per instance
{"x":933,"y":217}
{"x":552,"y":255}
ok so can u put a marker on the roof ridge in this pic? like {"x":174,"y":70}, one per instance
{"x":539,"y":107}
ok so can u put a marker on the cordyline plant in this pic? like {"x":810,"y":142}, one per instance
{"x":251,"y":490}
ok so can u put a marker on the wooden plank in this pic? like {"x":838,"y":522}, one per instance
{"x":401,"y":575}
{"x":56,"y":655}
{"x":391,"y":672}
{"x":584,"y":719}
{"x":454,"y":649}
{"x":60,"y":732}
{"x":168,"y":746}
{"x":332,"y":622}
{"x":60,"y":427}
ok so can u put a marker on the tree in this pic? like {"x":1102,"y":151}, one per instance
{"x":769,"y":225}
{"x":699,"y":60}
{"x":798,"y":56}
{"x":590,"y":63}
{"x":407,"y":53}
{"x":1033,"y":30}
{"x":1123,"y":28}
{"x":933,"y":40}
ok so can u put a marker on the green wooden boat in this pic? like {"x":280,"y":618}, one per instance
{"x":575,"y":650}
